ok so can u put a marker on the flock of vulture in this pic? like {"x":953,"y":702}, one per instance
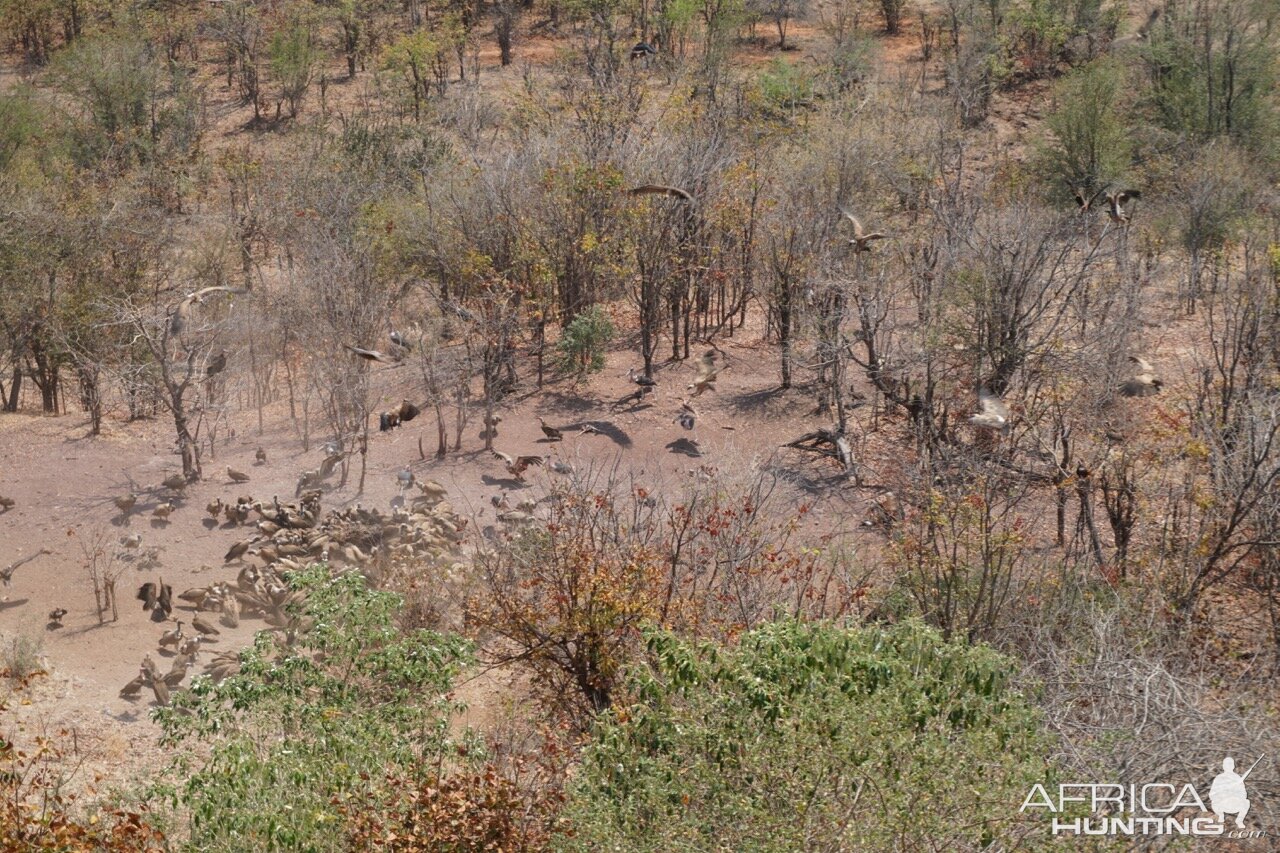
{"x":425,"y":531}
{"x":993,"y":414}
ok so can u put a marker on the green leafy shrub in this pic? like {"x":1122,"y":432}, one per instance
{"x":785,"y":88}
{"x":862,"y":739}
{"x":304,"y":728}
{"x":1212,"y":71}
{"x":21,"y":657}
{"x":1089,"y":144}
{"x":582,"y":346}
{"x":294,"y":57}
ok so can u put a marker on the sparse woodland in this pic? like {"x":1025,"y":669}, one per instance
{"x":1014,"y":266}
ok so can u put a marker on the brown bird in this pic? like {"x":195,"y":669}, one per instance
{"x":1084,"y":201}
{"x":55,"y":617}
{"x":641,"y":379}
{"x":659,"y":189}
{"x":370,"y":354}
{"x":408,"y":411}
{"x":176,"y":482}
{"x":163,"y":510}
{"x":164,"y":598}
{"x":238,"y":550}
{"x":156,"y":596}
{"x":432,"y":489}
{"x":707,"y":373}
{"x":550,"y":432}
{"x":203,"y":626}
{"x":133,"y":688}
{"x":516,"y":466}
{"x":260,"y":458}
{"x":861,"y":239}
{"x":236,"y":476}
{"x":178,"y":671}
{"x":215,"y":507}
{"x":1116,"y":201}
{"x":181,"y":313}
{"x":125,"y":503}
{"x":147,"y":594}
{"x":7,"y":504}
{"x":216,"y":364}
{"x":172,"y":637}
{"x":161,"y":691}
{"x":1144,"y":383}
{"x":686,"y":416}
{"x":992,"y":412}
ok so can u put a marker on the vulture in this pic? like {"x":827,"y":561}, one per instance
{"x":216,"y":364}
{"x":181,"y":313}
{"x":861,"y":239}
{"x":516,"y":466}
{"x":659,"y":189}
{"x":1144,"y":383}
{"x":1116,"y":201}
{"x":707,"y":373}
{"x":640,"y":379}
{"x":370,"y":354}
{"x":992,"y":412}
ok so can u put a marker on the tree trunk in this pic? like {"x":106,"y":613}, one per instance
{"x":15,"y":389}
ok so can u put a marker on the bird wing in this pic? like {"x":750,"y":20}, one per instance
{"x":660,"y":189}
{"x":990,"y":404}
{"x":1124,"y":195}
{"x":369,"y":354}
{"x":183,"y":307}
{"x":1087,"y":202}
{"x":875,"y":235}
{"x":505,"y":457}
{"x":27,"y":559}
{"x":707,"y":364}
{"x":857,"y":225}
{"x":1144,"y":366}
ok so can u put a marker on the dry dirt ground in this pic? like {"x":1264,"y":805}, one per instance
{"x":63,"y":482}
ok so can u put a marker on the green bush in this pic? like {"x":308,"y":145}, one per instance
{"x":811,"y":736}
{"x":1212,"y":71}
{"x":582,"y":346}
{"x":785,"y":88}
{"x":21,"y":657}
{"x":294,"y":57}
{"x":1088,"y":145}
{"x":303,"y":729}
